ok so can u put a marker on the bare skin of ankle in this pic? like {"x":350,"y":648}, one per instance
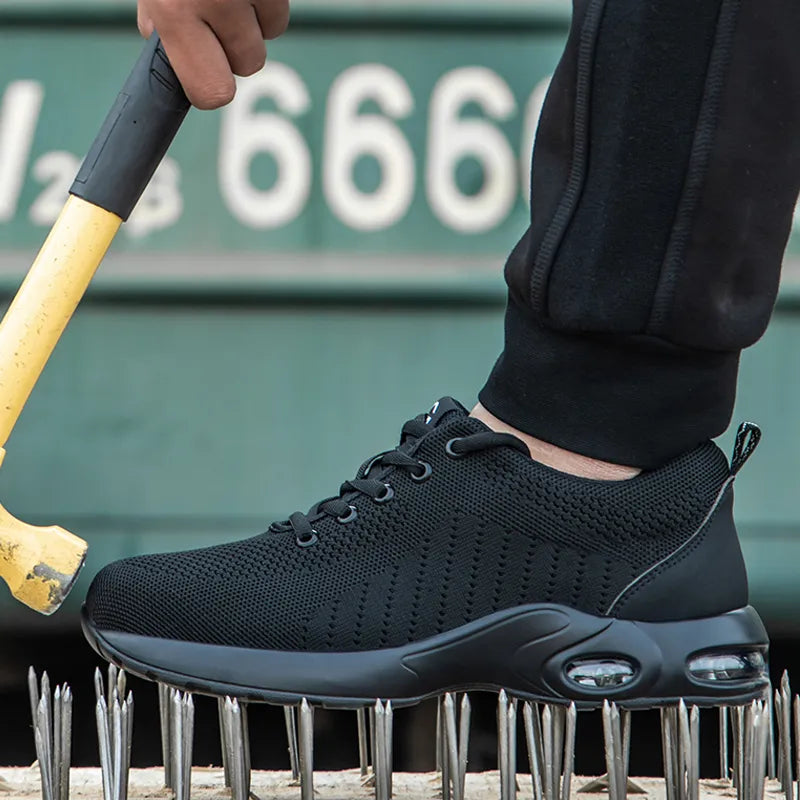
{"x":557,"y":458}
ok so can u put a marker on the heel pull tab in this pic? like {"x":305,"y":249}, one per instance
{"x":747,"y":438}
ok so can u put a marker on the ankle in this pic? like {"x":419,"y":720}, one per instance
{"x":556,"y":457}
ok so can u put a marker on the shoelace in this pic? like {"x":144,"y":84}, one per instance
{"x":379,"y":491}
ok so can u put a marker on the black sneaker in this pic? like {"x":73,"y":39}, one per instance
{"x":456,"y":562}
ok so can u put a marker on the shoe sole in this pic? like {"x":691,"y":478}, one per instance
{"x":525,"y":650}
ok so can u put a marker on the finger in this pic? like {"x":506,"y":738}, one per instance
{"x":273,"y":17}
{"x":237,"y":28}
{"x":199,"y":61}
{"x":144,"y":22}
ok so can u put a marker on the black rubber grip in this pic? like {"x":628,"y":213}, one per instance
{"x":135,"y":135}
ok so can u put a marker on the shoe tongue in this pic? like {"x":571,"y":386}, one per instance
{"x":444,"y":410}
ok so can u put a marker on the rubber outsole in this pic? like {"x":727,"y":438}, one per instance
{"x":525,"y":650}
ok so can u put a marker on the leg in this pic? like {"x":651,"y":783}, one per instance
{"x":665,"y":175}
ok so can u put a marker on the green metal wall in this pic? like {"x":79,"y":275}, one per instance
{"x":227,"y":368}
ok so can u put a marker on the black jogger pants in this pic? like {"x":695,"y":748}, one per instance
{"x":665,"y":174}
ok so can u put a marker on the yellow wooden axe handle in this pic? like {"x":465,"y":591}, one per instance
{"x":40,"y":564}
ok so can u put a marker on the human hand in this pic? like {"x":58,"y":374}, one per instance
{"x":210,"y":41}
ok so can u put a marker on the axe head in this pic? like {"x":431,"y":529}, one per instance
{"x":39,"y":564}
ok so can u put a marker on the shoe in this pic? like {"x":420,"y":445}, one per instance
{"x":456,"y":562}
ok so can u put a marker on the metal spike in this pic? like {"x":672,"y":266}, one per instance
{"x":246,"y":745}
{"x":165,"y":722}
{"x":388,"y":743}
{"x":442,"y":761}
{"x":740,"y":759}
{"x":363,"y":743}
{"x":57,"y":749}
{"x":306,"y":750}
{"x":745,"y":773}
{"x":555,"y":752}
{"x":231,"y":739}
{"x":33,"y":693}
{"x":694,"y":753}
{"x":754,"y":736}
{"x":613,"y":749}
{"x":44,"y":745}
{"x":112,"y":685}
{"x":503,"y":745}
{"x":234,"y":740}
{"x":547,"y":750}
{"x":223,"y":744}
{"x":465,"y":717}
{"x":759,"y":757}
{"x":786,"y":736}
{"x":777,"y":702}
{"x":44,"y":752}
{"x":569,"y":750}
{"x":182,"y":738}
{"x":507,"y":745}
{"x":559,"y":715}
{"x":44,"y":766}
{"x":796,"y":709}
{"x":511,"y":770}
{"x":188,"y":742}
{"x":176,"y":737}
{"x":99,"y":691}
{"x":372,"y":742}
{"x":290,"y":720}
{"x":723,"y":742}
{"x":533,"y":737}
{"x":46,"y":726}
{"x":668,"y":745}
{"x":383,"y":716}
{"x":45,"y":693}
{"x":121,"y":683}
{"x":379,"y":764}
{"x":771,"y":767}
{"x":65,"y":757}
{"x":451,"y":740}
{"x":119,"y":728}
{"x":687,"y":753}
{"x":128,"y":708}
{"x":104,"y":745}
{"x":684,"y":749}
{"x":439,"y":736}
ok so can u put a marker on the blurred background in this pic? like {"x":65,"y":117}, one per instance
{"x":309,"y":268}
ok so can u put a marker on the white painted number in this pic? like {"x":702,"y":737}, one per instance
{"x":453,"y":138}
{"x":367,"y":109}
{"x":161,"y":205}
{"x":247,"y":133}
{"x":56,"y":170}
{"x":19,"y":113}
{"x":350,"y":136}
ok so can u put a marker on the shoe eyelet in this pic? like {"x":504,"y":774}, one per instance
{"x":448,"y":448}
{"x":387,"y":495}
{"x":427,"y":470}
{"x":349,"y":516}
{"x":307,"y":541}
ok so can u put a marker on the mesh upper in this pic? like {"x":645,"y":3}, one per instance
{"x":487,"y":531}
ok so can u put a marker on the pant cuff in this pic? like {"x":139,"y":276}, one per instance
{"x":634,"y":400}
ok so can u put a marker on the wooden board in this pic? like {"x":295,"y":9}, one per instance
{"x":207,"y":784}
